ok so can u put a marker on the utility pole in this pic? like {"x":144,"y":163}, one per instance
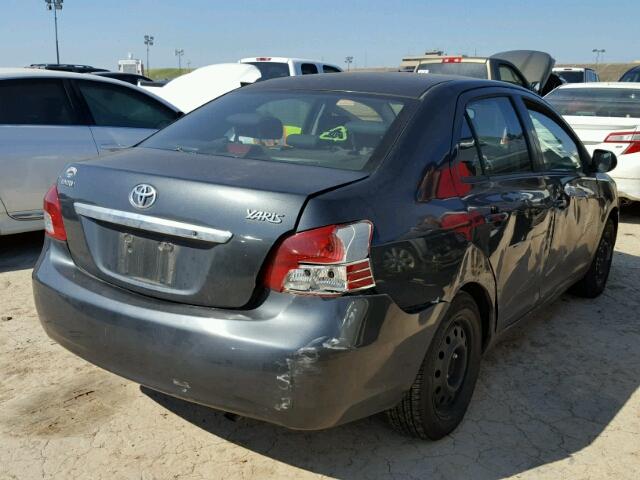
{"x":598,"y":52}
{"x":55,"y":5}
{"x":348,"y":61}
{"x":148,"y":41}
{"x":179,"y":54}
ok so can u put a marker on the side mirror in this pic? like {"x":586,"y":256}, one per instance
{"x":603,"y":161}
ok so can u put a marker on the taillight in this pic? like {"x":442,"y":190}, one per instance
{"x":53,"y":225}
{"x":324,"y":261}
{"x":632,"y":138}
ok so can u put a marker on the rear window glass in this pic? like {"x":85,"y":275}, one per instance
{"x":571,"y":76}
{"x":335,"y":130}
{"x":271,"y":69}
{"x":631,"y":76}
{"x":468,"y":69}
{"x":596,"y":102}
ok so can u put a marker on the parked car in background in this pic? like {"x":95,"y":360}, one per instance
{"x":132,"y":78}
{"x":606,"y":115}
{"x":631,"y":75}
{"x":275,"y":67}
{"x":526,"y":68}
{"x":577,"y":74}
{"x":49,"y":118}
{"x":193,"y":89}
{"x":361,"y":264}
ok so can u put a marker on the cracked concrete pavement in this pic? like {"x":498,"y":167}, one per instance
{"x":558,"y":398}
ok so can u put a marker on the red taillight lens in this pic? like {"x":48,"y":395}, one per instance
{"x":324,"y":261}
{"x":632,"y":138}
{"x":53,"y":225}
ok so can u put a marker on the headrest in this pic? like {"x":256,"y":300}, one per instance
{"x":255,"y":125}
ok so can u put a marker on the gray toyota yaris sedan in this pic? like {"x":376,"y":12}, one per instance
{"x":312,"y":250}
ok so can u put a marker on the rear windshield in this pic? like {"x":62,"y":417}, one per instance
{"x":596,"y":102}
{"x":571,"y":77}
{"x":271,"y":69}
{"x":469,"y":69}
{"x":327,"y":129}
{"x":631,"y":76}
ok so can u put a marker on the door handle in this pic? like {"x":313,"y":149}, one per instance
{"x":561,"y":202}
{"x":496,"y":218}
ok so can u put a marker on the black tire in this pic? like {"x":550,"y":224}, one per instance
{"x":437,"y":401}
{"x":595,"y":280}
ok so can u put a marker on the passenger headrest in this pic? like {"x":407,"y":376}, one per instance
{"x":255,"y":125}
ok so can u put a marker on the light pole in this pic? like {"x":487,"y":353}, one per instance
{"x":348,"y":61}
{"x":55,"y":5}
{"x":598,"y":52}
{"x":148,"y":41}
{"x":179,"y":54}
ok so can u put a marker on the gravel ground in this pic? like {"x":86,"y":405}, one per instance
{"x":557,"y":399}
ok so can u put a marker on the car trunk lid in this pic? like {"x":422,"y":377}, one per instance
{"x":204,"y":239}
{"x":593,"y":131}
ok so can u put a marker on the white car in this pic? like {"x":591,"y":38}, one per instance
{"x":274,"y":67}
{"x":51,"y":118}
{"x":606,"y":116}
{"x":576,"y":74}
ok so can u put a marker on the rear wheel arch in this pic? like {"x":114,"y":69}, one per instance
{"x":485,"y":305}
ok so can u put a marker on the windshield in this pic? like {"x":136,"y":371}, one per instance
{"x":596,"y":102}
{"x":327,"y":129}
{"x":271,"y":69}
{"x":571,"y":76}
{"x":631,"y":76}
{"x":469,"y":69}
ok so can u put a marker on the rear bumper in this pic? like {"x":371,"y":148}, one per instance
{"x":628,"y":188}
{"x":301,"y":362}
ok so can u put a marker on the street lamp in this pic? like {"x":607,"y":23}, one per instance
{"x":55,"y":5}
{"x":179,"y":54}
{"x":148,"y":41}
{"x":598,"y":52}
{"x":348,"y":61}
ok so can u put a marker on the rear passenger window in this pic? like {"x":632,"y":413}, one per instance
{"x":34,"y":102}
{"x":502,"y":142}
{"x":308,"y":69}
{"x":469,"y":164}
{"x":559,"y":151}
{"x":115,"y":106}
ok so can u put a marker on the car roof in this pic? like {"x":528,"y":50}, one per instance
{"x":412,"y":85}
{"x":633,"y":85}
{"x":24,"y":73}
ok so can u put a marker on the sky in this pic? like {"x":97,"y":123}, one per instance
{"x":374,"y":32}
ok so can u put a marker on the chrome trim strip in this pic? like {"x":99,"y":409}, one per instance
{"x":153,"y":224}
{"x":26,"y":216}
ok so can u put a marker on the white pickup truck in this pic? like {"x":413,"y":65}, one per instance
{"x":274,"y":67}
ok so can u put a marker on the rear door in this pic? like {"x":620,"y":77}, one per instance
{"x":40,"y":132}
{"x":576,"y":223}
{"x":121,"y":116}
{"x":512,"y":200}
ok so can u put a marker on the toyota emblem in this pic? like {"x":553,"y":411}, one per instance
{"x":143,"y":196}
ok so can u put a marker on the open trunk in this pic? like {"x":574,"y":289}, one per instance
{"x":206,"y":237}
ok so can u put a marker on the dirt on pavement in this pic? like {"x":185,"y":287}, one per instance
{"x":558,"y":398}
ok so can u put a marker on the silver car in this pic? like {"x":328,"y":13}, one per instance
{"x":49,"y":119}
